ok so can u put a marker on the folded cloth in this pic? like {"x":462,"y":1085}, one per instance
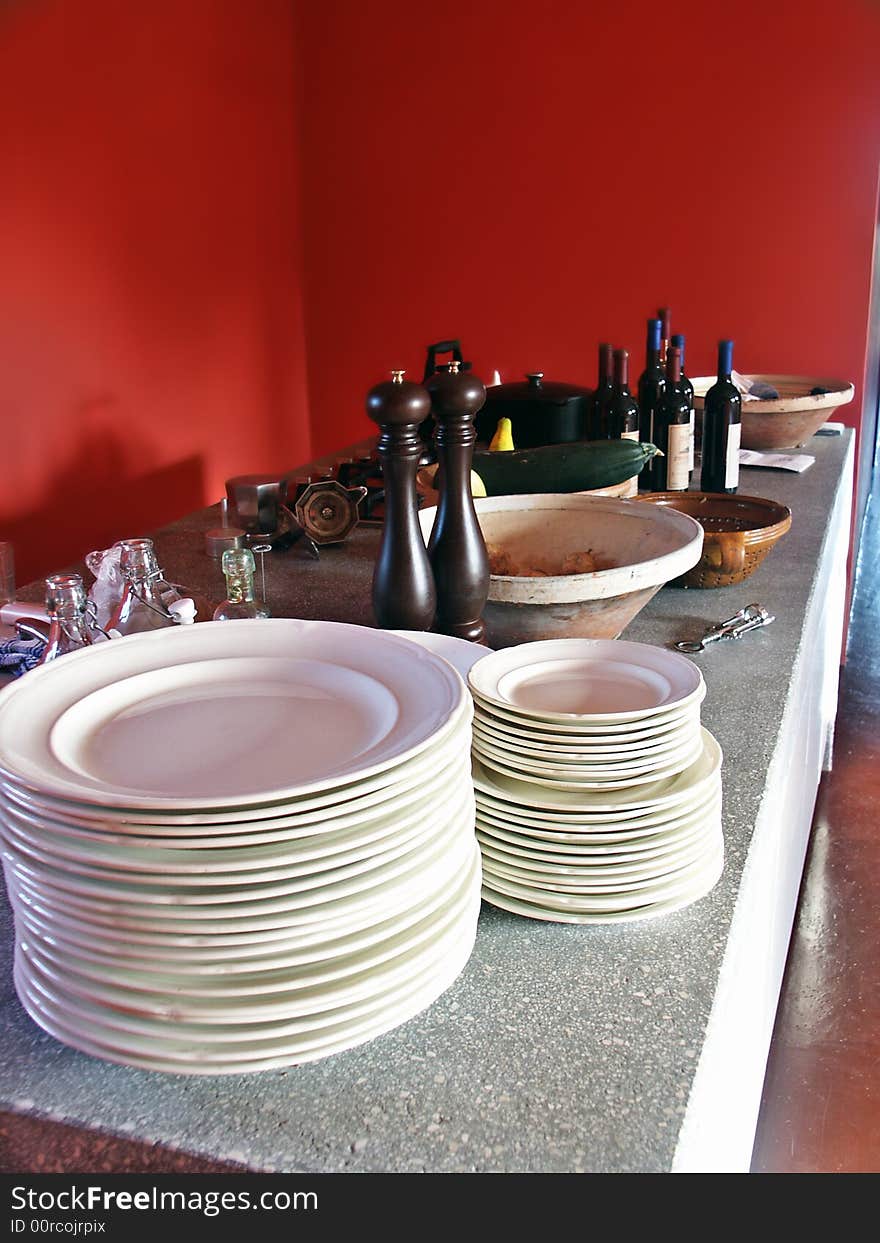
{"x":20,"y":655}
{"x":754,"y":390}
{"x":763,"y":391}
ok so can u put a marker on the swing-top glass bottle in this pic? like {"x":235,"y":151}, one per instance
{"x":146,"y":595}
{"x":70,"y":627}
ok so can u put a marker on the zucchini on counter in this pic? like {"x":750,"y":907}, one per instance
{"x":575,"y":467}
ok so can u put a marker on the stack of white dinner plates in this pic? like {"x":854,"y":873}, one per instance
{"x":598,"y":792}
{"x":237,"y":846}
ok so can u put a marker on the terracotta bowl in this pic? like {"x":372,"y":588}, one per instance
{"x":645,"y":546}
{"x":739,"y":533}
{"x":789,"y":422}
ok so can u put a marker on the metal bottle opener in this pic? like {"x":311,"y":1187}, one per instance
{"x":752,"y":617}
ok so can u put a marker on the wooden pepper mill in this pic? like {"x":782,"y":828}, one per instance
{"x":456,"y":548}
{"x":404,"y":596}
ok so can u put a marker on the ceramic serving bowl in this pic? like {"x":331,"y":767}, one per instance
{"x":739,"y":533}
{"x":644,"y":547}
{"x":790,"y":421}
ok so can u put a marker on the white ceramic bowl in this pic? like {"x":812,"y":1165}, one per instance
{"x":646,"y":550}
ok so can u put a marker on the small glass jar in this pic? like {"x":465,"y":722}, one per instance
{"x":238,"y":567}
{"x":70,"y":627}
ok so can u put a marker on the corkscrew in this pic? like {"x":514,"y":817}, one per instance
{"x":752,"y":617}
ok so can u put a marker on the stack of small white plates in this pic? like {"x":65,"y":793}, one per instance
{"x":598,"y":792}
{"x":237,"y":846}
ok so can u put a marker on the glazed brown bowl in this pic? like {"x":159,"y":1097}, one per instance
{"x":739,"y":533}
{"x":790,"y":421}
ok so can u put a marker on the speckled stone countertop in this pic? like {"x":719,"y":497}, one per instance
{"x":560,"y":1048}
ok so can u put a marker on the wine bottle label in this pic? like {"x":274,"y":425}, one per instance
{"x":677,"y":455}
{"x":731,"y":468}
{"x":691,"y":442}
{"x":629,"y":435}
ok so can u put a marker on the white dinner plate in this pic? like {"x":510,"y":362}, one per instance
{"x":558,"y":779}
{"x":590,"y":771}
{"x":149,"y":1008}
{"x":214,"y":728}
{"x":191,"y":1058}
{"x":624,"y":898}
{"x":315,"y":856}
{"x":657,"y":793}
{"x":578,"y":750}
{"x":690,"y":882}
{"x":460,"y":653}
{"x":595,"y":680}
{"x":697,"y":888}
{"x":92,"y":727}
{"x":601,"y":836}
{"x":241,"y":941}
{"x":187,"y":1060}
{"x":239,"y":852}
{"x":590,"y":879}
{"x":210,"y":957}
{"x":604,"y":829}
{"x":545,"y":856}
{"x":307,"y":815}
{"x":424,"y":864}
{"x":131,"y":889}
{"x":582,"y":728}
{"x":149,"y":1003}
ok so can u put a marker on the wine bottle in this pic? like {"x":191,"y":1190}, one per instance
{"x":671,"y":431}
{"x":688,"y":389}
{"x":663,"y":316}
{"x":623,"y":411}
{"x":597,"y":412}
{"x":722,"y":410}
{"x":651,"y":384}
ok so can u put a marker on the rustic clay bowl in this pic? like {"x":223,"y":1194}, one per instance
{"x":647,"y":546}
{"x":740,"y":531}
{"x":789,"y":422}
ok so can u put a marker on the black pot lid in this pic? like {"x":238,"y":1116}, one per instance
{"x":534,"y":388}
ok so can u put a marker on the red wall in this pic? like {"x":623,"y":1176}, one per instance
{"x":151,"y":339}
{"x":536,"y":178}
{"x":200,"y":200}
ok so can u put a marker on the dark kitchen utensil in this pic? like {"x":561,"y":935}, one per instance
{"x":432,"y":366}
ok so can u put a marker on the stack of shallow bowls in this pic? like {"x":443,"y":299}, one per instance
{"x":598,"y":793}
{"x":239,"y":846}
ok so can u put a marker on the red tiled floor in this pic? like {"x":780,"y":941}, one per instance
{"x":821,"y":1105}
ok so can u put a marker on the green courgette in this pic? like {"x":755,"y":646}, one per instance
{"x":576,"y":467}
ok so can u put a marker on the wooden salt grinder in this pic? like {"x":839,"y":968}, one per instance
{"x":404,"y":596}
{"x":456,"y":548}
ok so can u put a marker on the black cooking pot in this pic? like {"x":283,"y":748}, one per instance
{"x":541,"y":412}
